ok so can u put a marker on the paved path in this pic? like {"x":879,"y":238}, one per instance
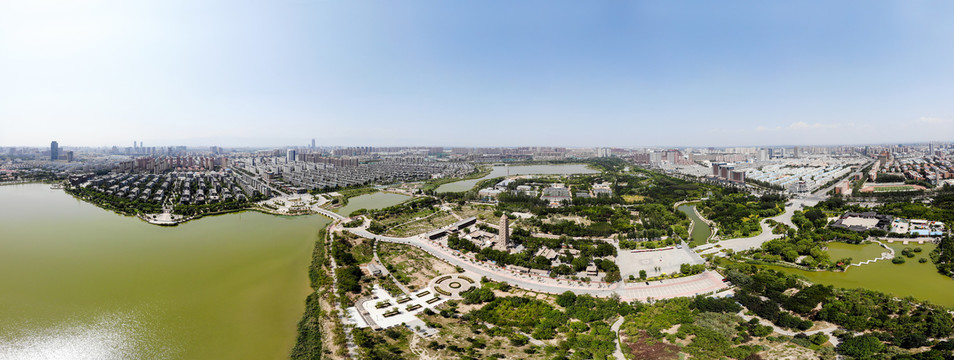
{"x":618,"y":354}
{"x":661,"y":289}
{"x":401,"y":286}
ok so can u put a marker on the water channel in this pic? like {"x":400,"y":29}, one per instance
{"x":700,"y":230}
{"x":79,"y":282}
{"x":498,"y":171}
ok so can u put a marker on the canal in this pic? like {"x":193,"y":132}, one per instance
{"x":700,"y":230}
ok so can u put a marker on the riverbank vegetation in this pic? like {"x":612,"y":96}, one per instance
{"x":308,"y":344}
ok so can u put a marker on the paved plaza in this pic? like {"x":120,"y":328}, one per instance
{"x":667,"y":261}
{"x":383,"y":310}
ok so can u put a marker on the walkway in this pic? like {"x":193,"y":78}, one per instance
{"x":739,"y":244}
{"x":328,"y":213}
{"x":888,"y":255}
{"x":618,"y":354}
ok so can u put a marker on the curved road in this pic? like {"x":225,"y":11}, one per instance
{"x":706,"y":282}
{"x":739,"y":244}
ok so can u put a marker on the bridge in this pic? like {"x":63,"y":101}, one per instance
{"x":328,"y":213}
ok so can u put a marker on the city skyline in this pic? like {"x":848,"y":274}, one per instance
{"x":530,"y":74}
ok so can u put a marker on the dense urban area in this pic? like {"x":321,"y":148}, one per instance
{"x":574,"y":253}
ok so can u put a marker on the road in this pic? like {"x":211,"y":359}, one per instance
{"x":661,"y":289}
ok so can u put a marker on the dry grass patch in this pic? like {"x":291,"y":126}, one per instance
{"x":482,"y":212}
{"x":788,"y":351}
{"x":455,"y":337}
{"x":424,"y":225}
{"x":633,"y":198}
{"x":412,"y":266}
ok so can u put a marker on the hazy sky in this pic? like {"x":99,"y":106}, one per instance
{"x":471,"y":73}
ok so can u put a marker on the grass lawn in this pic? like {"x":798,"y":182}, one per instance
{"x":633,"y":198}
{"x":893,"y":188}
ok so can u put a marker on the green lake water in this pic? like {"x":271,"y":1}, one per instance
{"x":921,"y":281}
{"x":376,"y":200}
{"x":700,"y":230}
{"x":857,"y":253}
{"x":79,"y":282}
{"x":498,"y":171}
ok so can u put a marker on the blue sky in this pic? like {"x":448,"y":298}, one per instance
{"x":454,"y":73}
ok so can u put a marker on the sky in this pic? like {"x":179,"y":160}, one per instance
{"x":475,"y":73}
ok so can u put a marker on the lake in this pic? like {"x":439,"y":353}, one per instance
{"x":498,"y":171}
{"x":80,"y":282}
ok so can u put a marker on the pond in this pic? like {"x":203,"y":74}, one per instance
{"x":376,"y":200}
{"x":498,"y":171}
{"x":857,"y":252}
{"x":919,"y":280}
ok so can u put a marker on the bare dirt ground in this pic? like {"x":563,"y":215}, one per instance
{"x":645,"y":347}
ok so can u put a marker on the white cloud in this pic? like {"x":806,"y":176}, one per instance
{"x":934,"y":120}
{"x":803,"y":125}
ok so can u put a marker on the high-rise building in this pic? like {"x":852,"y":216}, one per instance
{"x":54,"y":151}
{"x":290,"y":155}
{"x":312,"y":143}
{"x":503,"y":237}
